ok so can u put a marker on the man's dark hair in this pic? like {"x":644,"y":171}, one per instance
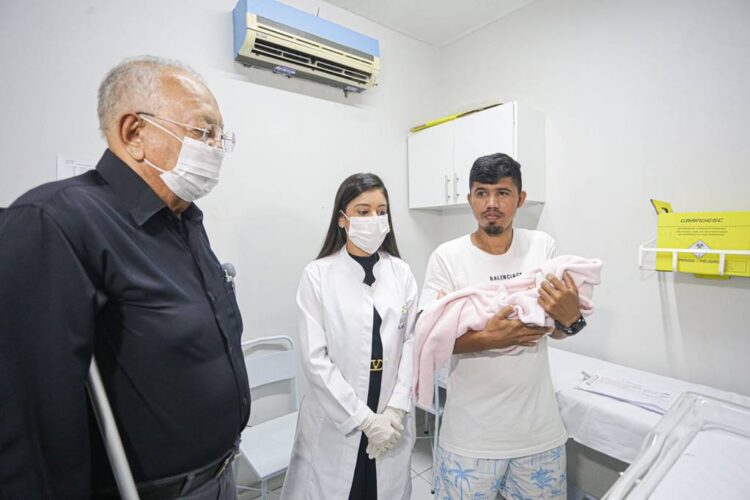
{"x":491,"y":168}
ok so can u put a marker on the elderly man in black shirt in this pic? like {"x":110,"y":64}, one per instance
{"x":116,"y":263}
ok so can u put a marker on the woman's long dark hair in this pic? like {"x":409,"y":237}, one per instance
{"x":352,"y":187}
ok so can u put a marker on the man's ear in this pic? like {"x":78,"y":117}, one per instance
{"x":521,"y":198}
{"x":130,"y":134}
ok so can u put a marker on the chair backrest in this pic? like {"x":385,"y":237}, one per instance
{"x":273,"y":366}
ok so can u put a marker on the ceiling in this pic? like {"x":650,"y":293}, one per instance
{"x":437,"y":22}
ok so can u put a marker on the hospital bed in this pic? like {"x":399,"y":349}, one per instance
{"x":611,"y":426}
{"x":614,"y":410}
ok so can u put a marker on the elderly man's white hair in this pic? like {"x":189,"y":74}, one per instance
{"x":134,"y":85}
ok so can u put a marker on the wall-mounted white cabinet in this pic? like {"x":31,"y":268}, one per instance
{"x":440,"y":157}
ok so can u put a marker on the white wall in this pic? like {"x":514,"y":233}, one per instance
{"x":643,"y":100}
{"x":296,"y":140}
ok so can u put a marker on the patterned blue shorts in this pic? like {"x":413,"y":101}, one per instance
{"x":533,"y":477}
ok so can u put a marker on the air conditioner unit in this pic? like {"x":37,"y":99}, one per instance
{"x":290,"y":42}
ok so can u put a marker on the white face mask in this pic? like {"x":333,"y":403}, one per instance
{"x":368,"y":233}
{"x":197,"y":169}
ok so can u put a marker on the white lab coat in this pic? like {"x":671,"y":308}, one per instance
{"x":335,"y":342}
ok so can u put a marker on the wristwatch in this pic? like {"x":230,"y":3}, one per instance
{"x":576,"y":327}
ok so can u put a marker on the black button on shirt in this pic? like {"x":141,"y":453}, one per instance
{"x":97,"y":263}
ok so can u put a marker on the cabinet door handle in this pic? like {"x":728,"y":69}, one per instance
{"x":455,"y":187}
{"x":447,"y":196}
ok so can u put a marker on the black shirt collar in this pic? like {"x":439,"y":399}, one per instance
{"x":141,"y":201}
{"x":368,"y":265}
{"x":366,"y":261}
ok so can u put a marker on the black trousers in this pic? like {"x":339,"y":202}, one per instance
{"x":365,"y":482}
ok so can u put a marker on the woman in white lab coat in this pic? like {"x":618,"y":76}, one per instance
{"x":357,"y":306}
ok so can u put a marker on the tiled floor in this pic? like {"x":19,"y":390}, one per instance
{"x":251,"y":495}
{"x":421,"y":470}
{"x":421,"y":474}
{"x":421,"y":489}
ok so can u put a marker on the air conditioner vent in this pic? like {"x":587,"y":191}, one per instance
{"x":286,"y":54}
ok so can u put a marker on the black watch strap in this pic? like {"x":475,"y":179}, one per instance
{"x":576,"y":327}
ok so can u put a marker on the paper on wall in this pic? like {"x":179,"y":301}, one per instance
{"x":70,"y":167}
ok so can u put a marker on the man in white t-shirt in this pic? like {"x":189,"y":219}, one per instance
{"x":501,"y":432}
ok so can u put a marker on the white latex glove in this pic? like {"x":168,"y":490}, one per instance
{"x":375,"y":453}
{"x":395,"y":416}
{"x":380,"y":431}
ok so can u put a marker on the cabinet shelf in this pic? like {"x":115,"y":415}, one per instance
{"x":465,"y":208}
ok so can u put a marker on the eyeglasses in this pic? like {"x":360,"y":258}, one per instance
{"x":223,"y":138}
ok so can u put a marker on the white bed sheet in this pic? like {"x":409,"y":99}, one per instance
{"x":613,"y":427}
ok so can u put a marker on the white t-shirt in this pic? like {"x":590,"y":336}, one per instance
{"x":499,"y":405}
